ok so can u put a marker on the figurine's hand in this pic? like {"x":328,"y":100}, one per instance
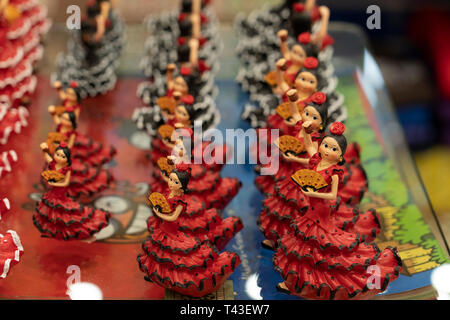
{"x":281,"y":64}
{"x":57,"y":84}
{"x":288,"y":156}
{"x":193,"y":43}
{"x":292,"y":95}
{"x":309,"y":192}
{"x":282,"y":35}
{"x":179,"y":125}
{"x":308,"y":127}
{"x":171,"y":67}
{"x":156,"y":210}
{"x":52,"y":110}
{"x":44,"y":146}
{"x":290,"y":122}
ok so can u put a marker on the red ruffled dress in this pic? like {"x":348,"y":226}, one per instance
{"x":87,"y":181}
{"x":59,"y":216}
{"x":92,"y":152}
{"x":197,"y":221}
{"x":209,"y":186}
{"x":319,"y":260}
{"x":183,"y":263}
{"x":288,"y":203}
{"x":10,"y":252}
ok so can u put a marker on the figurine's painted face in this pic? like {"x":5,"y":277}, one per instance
{"x":174,"y":182}
{"x":60,"y":157}
{"x":329,"y":150}
{"x":71,"y":95}
{"x":180,"y":85}
{"x":312,"y":116}
{"x":298,"y":55}
{"x":181,"y":114}
{"x":306,"y":82}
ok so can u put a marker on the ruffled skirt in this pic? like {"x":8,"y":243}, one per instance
{"x":59,"y":216}
{"x":179,"y":262}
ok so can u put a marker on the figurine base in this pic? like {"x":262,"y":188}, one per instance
{"x":224,"y":293}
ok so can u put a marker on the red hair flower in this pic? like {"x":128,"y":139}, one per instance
{"x":185,"y":71}
{"x":182,"y":16}
{"x":70,"y":109}
{"x":63,"y":144}
{"x":337,"y":128}
{"x":182,"y":41}
{"x":298,"y":7}
{"x":188,"y":99}
{"x":304,"y":38}
{"x":319,"y":98}
{"x":74,"y":84}
{"x":311,"y":63}
{"x":182,"y":167}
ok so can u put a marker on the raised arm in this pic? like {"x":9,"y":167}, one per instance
{"x":283,"y":36}
{"x":281,"y":83}
{"x":44,"y":148}
{"x":318,"y":37}
{"x":309,"y":5}
{"x":169,"y":75}
{"x":293,"y":98}
{"x":309,"y":145}
{"x":71,"y":141}
{"x":171,"y":217}
{"x":193,"y":55}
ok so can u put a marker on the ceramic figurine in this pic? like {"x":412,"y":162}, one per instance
{"x":319,"y":260}
{"x":93,"y":51}
{"x":92,"y":152}
{"x":172,"y":258}
{"x":58,"y":215}
{"x":205,"y":182}
{"x":198,"y":218}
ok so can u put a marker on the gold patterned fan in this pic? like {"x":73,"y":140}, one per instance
{"x":290,"y":144}
{"x":271,"y":78}
{"x":157,"y":200}
{"x":52,"y":176}
{"x":307,"y":178}
{"x":167,"y":103}
{"x":165,"y":131}
{"x":164,"y":165}
{"x":284,"y":110}
{"x":59,"y":110}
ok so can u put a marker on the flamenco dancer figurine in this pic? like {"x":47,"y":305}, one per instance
{"x":11,"y":249}
{"x":317,"y":259}
{"x":94,"y":51}
{"x":198,"y":218}
{"x":59,"y":216}
{"x":204,"y":182}
{"x":66,"y":117}
{"x":175,"y":260}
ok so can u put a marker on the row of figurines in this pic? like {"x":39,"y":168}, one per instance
{"x":287,"y":216}
{"x":23,"y":23}
{"x":324,"y":246}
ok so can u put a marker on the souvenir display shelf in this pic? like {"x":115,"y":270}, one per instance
{"x":395,"y":187}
